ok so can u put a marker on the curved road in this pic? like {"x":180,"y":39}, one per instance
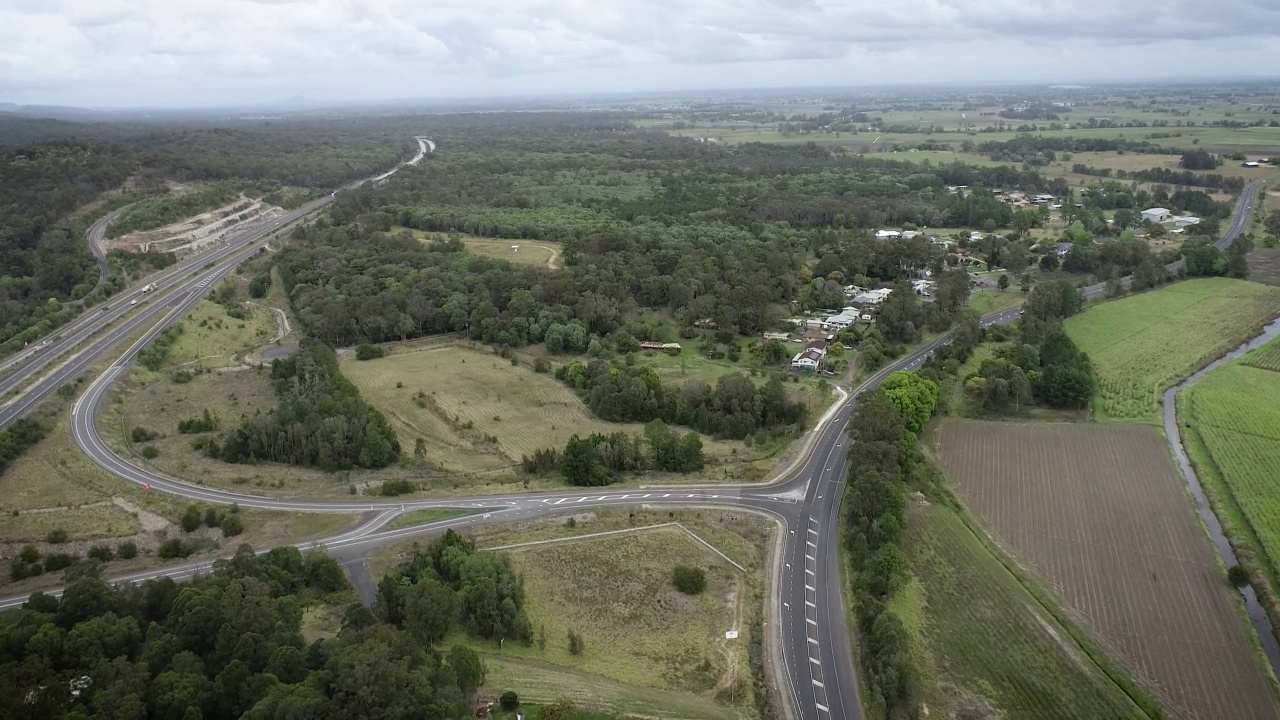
{"x":813,"y":636}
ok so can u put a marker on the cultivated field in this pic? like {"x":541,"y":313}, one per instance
{"x":1235,"y":410}
{"x":1142,"y":344}
{"x":477,"y":412}
{"x":1099,"y":514}
{"x":962,"y":603}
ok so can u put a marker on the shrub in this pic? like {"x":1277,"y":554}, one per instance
{"x":392,"y":488}
{"x":57,"y":537}
{"x":127,"y":550}
{"x":29,"y":554}
{"x":689,"y":580}
{"x":182,"y":377}
{"x":207,"y":422}
{"x":191,"y":518}
{"x":174,"y":548}
{"x":59,"y":561}
{"x":365,"y":351}
{"x":576,"y":645}
{"x":509,"y":701}
{"x":541,"y":365}
{"x":150,"y":452}
{"x":211,"y":518}
{"x":231,"y":526}
{"x":103,"y":553}
{"x":1238,"y":576}
{"x":141,"y":435}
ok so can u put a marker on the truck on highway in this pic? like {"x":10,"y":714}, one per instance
{"x":148,"y":288}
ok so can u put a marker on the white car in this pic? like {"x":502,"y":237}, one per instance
{"x":133,"y":301}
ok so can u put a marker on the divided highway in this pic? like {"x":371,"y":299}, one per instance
{"x":808,"y":627}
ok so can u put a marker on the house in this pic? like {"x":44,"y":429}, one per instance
{"x":922,"y":287}
{"x":1042,"y":199}
{"x":908,"y":234}
{"x":1063,"y":249}
{"x":873,"y":297}
{"x":808,"y":360}
{"x":706,"y":324}
{"x":975,"y":236}
{"x":1251,"y":164}
{"x":1155,"y":215}
{"x":1185,"y":220}
{"x":888,"y":234}
{"x":777,"y":336}
{"x":817,"y":325}
{"x":847,"y":317}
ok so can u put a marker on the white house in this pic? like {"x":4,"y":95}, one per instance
{"x":922,"y":287}
{"x":908,"y":234}
{"x":1155,"y":215}
{"x":780,"y":336}
{"x":888,"y":234}
{"x":872,"y":297}
{"x":808,"y":360}
{"x":1185,"y":220}
{"x":847,"y":317}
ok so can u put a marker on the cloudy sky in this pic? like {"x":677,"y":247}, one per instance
{"x":216,"y":52}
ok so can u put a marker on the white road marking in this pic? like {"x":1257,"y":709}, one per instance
{"x":815,"y":661}
{"x":807,"y":571}
{"x":822,"y":707}
{"x":813,"y":640}
{"x":811,"y":621}
{"x":810,"y":543}
{"x":806,"y":602}
{"x":818,"y":683}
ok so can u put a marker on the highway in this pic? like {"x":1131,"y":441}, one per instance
{"x":808,"y":624}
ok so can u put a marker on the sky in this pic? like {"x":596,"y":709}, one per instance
{"x":185,"y":53}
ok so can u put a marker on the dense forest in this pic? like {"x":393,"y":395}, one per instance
{"x":46,"y":176}
{"x":321,"y":421}
{"x":229,"y":644}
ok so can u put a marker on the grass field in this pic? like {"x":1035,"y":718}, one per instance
{"x":986,"y":302}
{"x":1142,"y":344}
{"x":530,"y":252}
{"x":424,"y":516}
{"x":212,"y":339}
{"x":960,"y":605}
{"x":480,"y":414}
{"x":1099,"y":514}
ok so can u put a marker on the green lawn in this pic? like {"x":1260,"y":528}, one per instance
{"x":991,"y":301}
{"x":1145,"y":343}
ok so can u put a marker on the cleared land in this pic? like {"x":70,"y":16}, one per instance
{"x":962,"y":603}
{"x":527,"y":252}
{"x":650,"y":651}
{"x":986,"y":302}
{"x":1142,"y":344}
{"x":1099,"y":514}
{"x":480,"y":414}
{"x":212,"y":339}
{"x":1235,"y":411}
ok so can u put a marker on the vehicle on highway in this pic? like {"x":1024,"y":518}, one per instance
{"x":148,"y":288}
{"x":133,"y":301}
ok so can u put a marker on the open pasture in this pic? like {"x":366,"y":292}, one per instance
{"x":1142,"y":344}
{"x":1099,"y":514}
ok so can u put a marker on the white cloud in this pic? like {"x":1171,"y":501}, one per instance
{"x":187,"y":51}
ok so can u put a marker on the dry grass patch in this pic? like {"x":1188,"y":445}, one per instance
{"x":478,"y":413}
{"x":86,"y":522}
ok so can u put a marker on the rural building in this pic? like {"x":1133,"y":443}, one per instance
{"x":1042,"y":199}
{"x":1251,"y":164}
{"x":818,"y":338}
{"x":706,"y":324}
{"x":1185,"y":220}
{"x":673,"y":348}
{"x":873,"y":297}
{"x":808,"y":360}
{"x":817,"y":325}
{"x":888,"y":234}
{"x":1063,"y":249}
{"x":847,"y":317}
{"x":922,"y":287}
{"x":777,"y":336}
{"x":1155,"y":215}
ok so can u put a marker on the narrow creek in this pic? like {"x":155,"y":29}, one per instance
{"x":1261,"y":624}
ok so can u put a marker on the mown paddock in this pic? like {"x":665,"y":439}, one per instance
{"x":1143,"y":344}
{"x":469,"y":398}
{"x":1099,"y":514}
{"x":961,"y":603}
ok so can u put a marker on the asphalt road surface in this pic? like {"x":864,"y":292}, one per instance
{"x":811,"y":632}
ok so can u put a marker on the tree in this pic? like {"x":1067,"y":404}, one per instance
{"x":1197,"y":160}
{"x":509,"y":701}
{"x":1238,"y":576}
{"x":430,"y":607}
{"x":688,"y":580}
{"x":191,"y":518}
{"x":915,"y":398}
{"x":468,"y":669}
{"x":1003,"y":282}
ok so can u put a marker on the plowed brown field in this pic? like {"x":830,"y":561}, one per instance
{"x":1098,"y":513}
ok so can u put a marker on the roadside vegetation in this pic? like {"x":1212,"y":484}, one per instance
{"x":170,"y":207}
